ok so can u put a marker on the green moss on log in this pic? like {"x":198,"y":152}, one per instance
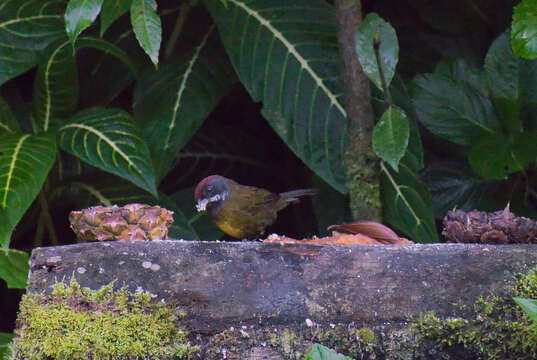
{"x":79,"y":323}
{"x":500,"y":330}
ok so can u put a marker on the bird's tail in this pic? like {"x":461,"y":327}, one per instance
{"x":293,"y":195}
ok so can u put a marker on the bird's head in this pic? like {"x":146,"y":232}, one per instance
{"x":211,"y":193}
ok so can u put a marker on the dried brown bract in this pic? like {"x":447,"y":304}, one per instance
{"x":128,"y":223}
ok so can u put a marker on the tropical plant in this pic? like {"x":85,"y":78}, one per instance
{"x":489,"y":114}
{"x":529,"y":306}
{"x":396,"y":139}
{"x":5,"y":339}
{"x":88,"y":55}
{"x":320,"y":352}
{"x":524,"y":29}
{"x":105,"y":101}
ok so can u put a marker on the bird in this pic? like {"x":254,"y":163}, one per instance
{"x":242,"y":211}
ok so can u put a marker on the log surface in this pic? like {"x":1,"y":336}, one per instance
{"x":219,"y":284}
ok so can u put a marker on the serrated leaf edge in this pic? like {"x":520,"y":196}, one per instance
{"x":291,"y":49}
{"x":182,"y":86}
{"x":12,"y":168}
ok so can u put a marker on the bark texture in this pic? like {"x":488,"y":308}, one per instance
{"x":253,"y":301}
{"x":221,"y":284}
{"x":361,"y":163}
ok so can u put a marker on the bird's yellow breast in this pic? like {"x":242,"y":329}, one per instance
{"x":229,"y":228}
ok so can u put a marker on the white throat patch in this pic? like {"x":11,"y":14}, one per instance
{"x":202,"y":204}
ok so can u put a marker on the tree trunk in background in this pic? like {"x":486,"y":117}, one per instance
{"x":361,"y":163}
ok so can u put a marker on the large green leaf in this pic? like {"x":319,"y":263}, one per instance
{"x":109,"y":70}
{"x":79,"y":15}
{"x":27,"y":27}
{"x":110,"y":140}
{"x":286,"y":56}
{"x":524,"y":29}
{"x":8,"y":122}
{"x":529,"y":306}
{"x":388,"y":49}
{"x":496,"y":156}
{"x":5,"y":339}
{"x":414,"y":153}
{"x":320,"y":352}
{"x":504,"y":70}
{"x":390,"y":136}
{"x":14,"y":268}
{"x":25,"y":161}
{"x":147,"y":27}
{"x":113,"y":9}
{"x":452,"y":185}
{"x":117,"y":67}
{"x":407,"y":204}
{"x":452,"y":104}
{"x":173,"y":102}
{"x":56,"y":85}
{"x":108,"y":48}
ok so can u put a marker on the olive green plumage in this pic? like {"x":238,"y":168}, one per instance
{"x":242,"y":211}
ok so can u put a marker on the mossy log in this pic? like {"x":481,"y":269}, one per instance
{"x":222,"y":283}
{"x":250,"y":298}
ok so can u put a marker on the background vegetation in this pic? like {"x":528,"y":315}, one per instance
{"x":124,"y":101}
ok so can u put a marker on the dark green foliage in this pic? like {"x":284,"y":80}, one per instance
{"x":408,"y":203}
{"x":455,"y":186}
{"x":25,"y":161}
{"x":106,"y":127}
{"x":286,"y":56}
{"x":27,"y":27}
{"x":529,"y":306}
{"x":110,"y":139}
{"x":147,"y":27}
{"x":452,"y":103}
{"x":524,"y":29}
{"x":319,"y":352}
{"x":5,"y":339}
{"x":79,"y":15}
{"x":172,"y":103}
{"x":405,"y":207}
{"x":374,"y":28}
{"x":14,"y":268}
{"x":491,"y":112}
{"x":390,"y":137}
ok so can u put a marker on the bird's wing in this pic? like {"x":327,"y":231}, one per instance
{"x":260,"y":199}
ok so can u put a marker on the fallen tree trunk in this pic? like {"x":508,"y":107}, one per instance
{"x":224,"y":284}
{"x":253,"y":301}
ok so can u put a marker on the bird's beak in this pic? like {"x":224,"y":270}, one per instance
{"x":201,"y":205}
